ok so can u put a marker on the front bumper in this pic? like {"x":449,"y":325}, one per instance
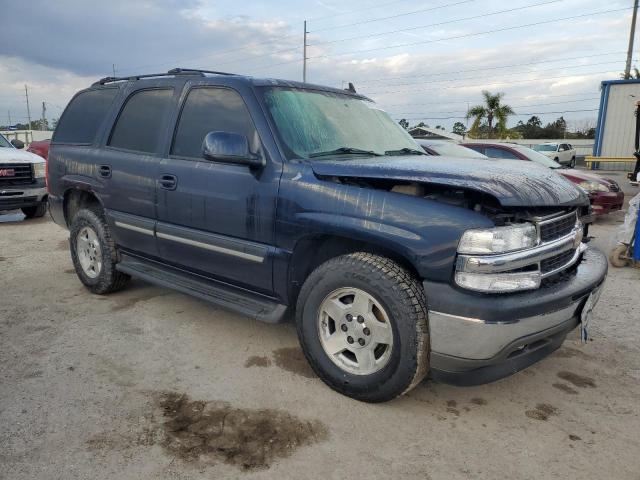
{"x":478,"y":338}
{"x":606,"y":202}
{"x":13,"y":198}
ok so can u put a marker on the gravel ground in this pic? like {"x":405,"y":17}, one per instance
{"x":125,"y":386}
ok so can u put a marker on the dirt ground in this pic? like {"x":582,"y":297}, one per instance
{"x":140,"y":384}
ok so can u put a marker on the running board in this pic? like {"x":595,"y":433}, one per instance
{"x":258,"y":308}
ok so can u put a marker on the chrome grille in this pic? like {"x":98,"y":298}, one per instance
{"x":558,"y":261}
{"x":15,"y":174}
{"x":558,"y":227}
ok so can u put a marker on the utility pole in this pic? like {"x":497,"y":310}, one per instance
{"x":44,"y":116}
{"x":9,"y":112}
{"x":26,"y":94}
{"x":627,"y":70}
{"x":113,"y":68}
{"x":304,"y":53}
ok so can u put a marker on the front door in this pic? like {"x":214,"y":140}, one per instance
{"x":217,"y":219}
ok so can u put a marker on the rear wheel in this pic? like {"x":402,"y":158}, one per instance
{"x":362,"y":323}
{"x":619,"y":256}
{"x":36,"y":211}
{"x":94,"y":254}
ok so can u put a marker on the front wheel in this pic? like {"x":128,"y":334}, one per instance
{"x":362,"y":324}
{"x":572,"y":164}
{"x":93,"y":253}
{"x":36,"y":211}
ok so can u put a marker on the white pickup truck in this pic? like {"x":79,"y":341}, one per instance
{"x":22,"y":179}
{"x":563,"y":153}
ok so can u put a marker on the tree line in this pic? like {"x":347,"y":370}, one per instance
{"x":489,"y":120}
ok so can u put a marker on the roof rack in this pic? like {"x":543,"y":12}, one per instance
{"x":172,"y":72}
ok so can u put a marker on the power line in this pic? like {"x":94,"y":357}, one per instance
{"x":369,"y":35}
{"x":513,"y":106}
{"x":473,"y":34}
{"x":513,"y":115}
{"x":384,"y":79}
{"x":362,"y":22}
{"x":456,"y":103}
{"x":333,"y":15}
{"x":498,"y":83}
{"x":429,"y":82}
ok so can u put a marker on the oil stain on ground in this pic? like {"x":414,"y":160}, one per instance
{"x":542,"y":412}
{"x":293,"y":360}
{"x":478,"y":401}
{"x":565,"y":388}
{"x":256,"y":361}
{"x":249,"y":439}
{"x":577,"y":380}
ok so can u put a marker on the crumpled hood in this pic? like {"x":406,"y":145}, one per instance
{"x":514,"y":183}
{"x":13,"y":155}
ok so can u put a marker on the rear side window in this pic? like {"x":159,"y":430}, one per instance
{"x":139,"y":123}
{"x":83,"y":116}
{"x":500,"y":153}
{"x":207,"y":110}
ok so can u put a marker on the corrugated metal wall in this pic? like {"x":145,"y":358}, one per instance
{"x":619,"y":123}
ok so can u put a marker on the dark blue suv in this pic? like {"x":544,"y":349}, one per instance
{"x":283,"y":200}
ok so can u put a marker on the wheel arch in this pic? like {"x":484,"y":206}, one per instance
{"x":313,"y":250}
{"x":76,"y":198}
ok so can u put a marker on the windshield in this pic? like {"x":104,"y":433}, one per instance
{"x":313,"y":122}
{"x":537,"y":157}
{"x":546,"y":148}
{"x":453,"y":150}
{"x":4,"y":142}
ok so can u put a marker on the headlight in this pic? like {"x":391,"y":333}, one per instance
{"x":593,"y":187}
{"x":498,"y":282}
{"x":498,"y":239}
{"x":38,"y":170}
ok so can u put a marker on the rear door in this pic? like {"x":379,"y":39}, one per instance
{"x":128,"y":166}
{"x":217,"y":219}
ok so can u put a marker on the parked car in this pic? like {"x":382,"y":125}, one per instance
{"x":40,"y":147}
{"x":562,"y":153}
{"x":276,"y":199}
{"x":22,"y":179}
{"x":605,"y":194}
{"x":447,"y":148}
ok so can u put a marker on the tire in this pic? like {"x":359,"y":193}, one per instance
{"x":36,"y":211}
{"x":102,"y":277}
{"x":399,"y":299}
{"x":572,"y":164}
{"x":618,"y":256}
{"x":557,"y":160}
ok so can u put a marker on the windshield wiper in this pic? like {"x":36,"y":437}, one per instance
{"x":344,"y":151}
{"x":405,"y":151}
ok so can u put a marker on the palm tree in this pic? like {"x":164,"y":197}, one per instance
{"x":491,"y":110}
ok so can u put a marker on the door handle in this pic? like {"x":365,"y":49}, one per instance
{"x":168,"y":182}
{"x":105,"y":171}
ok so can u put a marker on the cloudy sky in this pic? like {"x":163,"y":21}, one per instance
{"x":421,"y":60}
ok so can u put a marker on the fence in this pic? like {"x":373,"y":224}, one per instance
{"x":27,"y":136}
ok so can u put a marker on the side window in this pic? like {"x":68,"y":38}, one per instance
{"x":83,"y":116}
{"x":477,"y":148}
{"x":210,"y":109}
{"x":139,"y":123}
{"x":562,"y":147}
{"x":499,"y":153}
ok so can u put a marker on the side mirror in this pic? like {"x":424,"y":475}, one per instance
{"x":17,"y":143}
{"x":228,"y":147}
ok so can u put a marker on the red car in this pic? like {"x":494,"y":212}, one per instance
{"x":605,"y":194}
{"x":40,"y":147}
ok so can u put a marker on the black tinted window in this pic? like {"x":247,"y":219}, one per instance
{"x":210,"y":110}
{"x":500,"y":153}
{"x":138,"y":126}
{"x":83,"y":116}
